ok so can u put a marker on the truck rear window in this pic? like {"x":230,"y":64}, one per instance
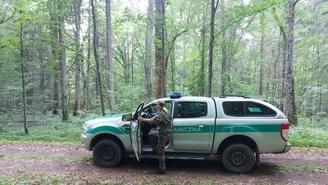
{"x":249,"y":109}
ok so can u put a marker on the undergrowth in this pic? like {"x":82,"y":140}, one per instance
{"x":54,"y":131}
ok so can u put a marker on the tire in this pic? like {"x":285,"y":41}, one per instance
{"x":238,"y":158}
{"x":107,"y":153}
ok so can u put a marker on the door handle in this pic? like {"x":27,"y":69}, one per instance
{"x":201,"y":125}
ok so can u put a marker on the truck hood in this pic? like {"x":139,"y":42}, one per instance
{"x":111,"y":123}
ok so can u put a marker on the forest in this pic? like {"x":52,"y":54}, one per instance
{"x":68,"y":58}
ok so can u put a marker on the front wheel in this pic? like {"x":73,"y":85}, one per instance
{"x":238,"y":158}
{"x":107,"y":153}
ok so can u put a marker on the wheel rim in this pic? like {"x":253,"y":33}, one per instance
{"x":107,"y":153}
{"x":238,"y":158}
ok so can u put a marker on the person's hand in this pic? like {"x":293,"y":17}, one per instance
{"x":140,"y":118}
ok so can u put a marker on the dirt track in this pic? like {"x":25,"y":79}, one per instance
{"x":74,"y":165}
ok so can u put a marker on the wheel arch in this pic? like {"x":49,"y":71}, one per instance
{"x":242,"y":139}
{"x":108,"y":136}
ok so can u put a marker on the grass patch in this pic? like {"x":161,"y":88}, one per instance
{"x":306,"y":136}
{"x":46,"y":157}
{"x":55,"y":131}
{"x":292,"y":168}
{"x":32,"y":179}
{"x":35,"y":180}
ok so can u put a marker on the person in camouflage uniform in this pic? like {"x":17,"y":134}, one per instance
{"x":163,"y":122}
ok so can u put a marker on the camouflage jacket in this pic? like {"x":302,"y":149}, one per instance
{"x":163,"y":121}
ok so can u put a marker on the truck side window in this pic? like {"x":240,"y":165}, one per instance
{"x":256,"y":109}
{"x":233,"y":108}
{"x":168,"y":106}
{"x":190,"y":109}
{"x":244,"y":109}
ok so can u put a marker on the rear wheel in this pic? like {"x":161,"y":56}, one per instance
{"x":107,"y":153}
{"x":238,"y":158}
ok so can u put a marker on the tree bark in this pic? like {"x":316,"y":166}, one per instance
{"x":62,"y":60}
{"x":261,"y":56}
{"x":54,"y":38}
{"x":172,"y":59}
{"x":202,"y":62}
{"x":288,"y":88}
{"x":23,"y":76}
{"x":78,"y":53}
{"x":149,"y":40}
{"x":42,"y":66}
{"x":95,"y":50}
{"x":86,"y":75}
{"x":159,"y":48}
{"x":202,"y":53}
{"x":109,"y":58}
{"x":223,"y":51}
{"x":211,"y":47}
{"x":122,"y":56}
{"x":284,"y":55}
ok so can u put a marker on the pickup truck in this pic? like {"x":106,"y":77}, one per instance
{"x":232,"y":129}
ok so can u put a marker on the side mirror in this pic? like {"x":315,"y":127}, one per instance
{"x":127,"y":117}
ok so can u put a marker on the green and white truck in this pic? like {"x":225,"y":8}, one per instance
{"x":232,"y":129}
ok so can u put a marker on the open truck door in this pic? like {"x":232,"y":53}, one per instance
{"x":135,"y":131}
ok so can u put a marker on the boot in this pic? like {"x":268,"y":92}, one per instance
{"x":160,"y":172}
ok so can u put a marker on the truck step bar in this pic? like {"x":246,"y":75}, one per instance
{"x":181,"y":155}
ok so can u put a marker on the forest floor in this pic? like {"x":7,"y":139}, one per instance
{"x":69,"y":164}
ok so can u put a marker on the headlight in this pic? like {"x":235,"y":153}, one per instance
{"x":86,"y":127}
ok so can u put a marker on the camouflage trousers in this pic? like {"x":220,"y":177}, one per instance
{"x":163,"y":137}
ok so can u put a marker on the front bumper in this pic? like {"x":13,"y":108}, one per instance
{"x":85,"y":142}
{"x":287,"y":147}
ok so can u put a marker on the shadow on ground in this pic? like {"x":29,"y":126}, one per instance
{"x":196,"y":166}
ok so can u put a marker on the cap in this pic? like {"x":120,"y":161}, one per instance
{"x":160,"y":103}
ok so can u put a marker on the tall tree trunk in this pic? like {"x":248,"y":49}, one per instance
{"x":23,"y":75}
{"x":77,"y":20}
{"x":95,"y":49}
{"x":223,"y":51}
{"x":288,"y":88}
{"x":149,"y":40}
{"x":62,"y":59}
{"x":172,"y":59}
{"x":86,"y":76}
{"x":165,"y":55}
{"x":284,"y":53}
{"x":261,"y":56}
{"x":211,"y":47}
{"x":54,"y":40}
{"x":202,"y":63}
{"x":159,"y":47}
{"x":202,"y":53}
{"x":109,"y":58}
{"x":293,"y":116}
{"x":132,"y":59}
{"x":42,"y":66}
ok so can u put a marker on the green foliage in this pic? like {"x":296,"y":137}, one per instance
{"x":185,"y":21}
{"x":130,"y":96}
{"x":27,"y":179}
{"x":34,"y":179}
{"x":50,"y":131}
{"x":292,"y":168}
{"x":309,"y":134}
{"x":53,"y":130}
{"x":308,"y":137}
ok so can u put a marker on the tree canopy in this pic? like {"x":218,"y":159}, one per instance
{"x":74,"y":57}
